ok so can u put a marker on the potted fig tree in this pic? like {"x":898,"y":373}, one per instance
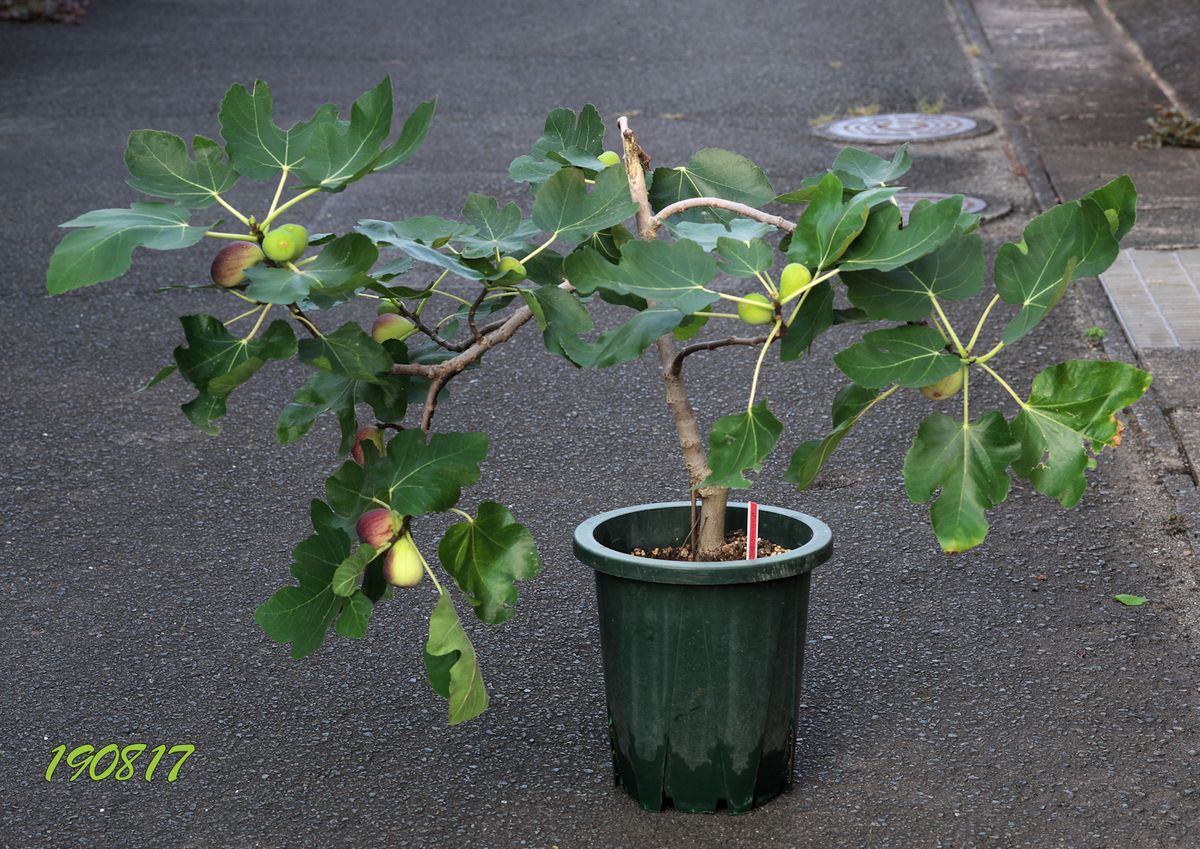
{"x":702,"y":619}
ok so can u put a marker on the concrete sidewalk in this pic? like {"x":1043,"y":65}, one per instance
{"x":994,"y":699}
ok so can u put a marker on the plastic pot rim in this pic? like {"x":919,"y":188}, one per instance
{"x":601,"y":558}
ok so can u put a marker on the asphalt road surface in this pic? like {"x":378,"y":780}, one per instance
{"x":998,"y":698}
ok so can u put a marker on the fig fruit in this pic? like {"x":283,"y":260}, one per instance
{"x":386,"y":306}
{"x":610,"y":158}
{"x":366,"y":434}
{"x":377,"y":527}
{"x":392,"y":326}
{"x":760,"y":312}
{"x":794,"y":278}
{"x":230,"y":264}
{"x":947,"y":387}
{"x":285,"y":243}
{"x":512,"y":267}
{"x":402,"y":566}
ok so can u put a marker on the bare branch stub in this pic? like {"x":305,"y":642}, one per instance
{"x":677,"y":363}
{"x":741,"y":209}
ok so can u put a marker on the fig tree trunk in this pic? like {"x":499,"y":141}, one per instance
{"x":711,"y":533}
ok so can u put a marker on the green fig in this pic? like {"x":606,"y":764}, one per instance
{"x":512,"y":267}
{"x":403,"y":566}
{"x":793,"y":278}
{"x":230,"y":264}
{"x":947,"y":387}
{"x":392,"y":326}
{"x":759,"y":312}
{"x":285,"y":243}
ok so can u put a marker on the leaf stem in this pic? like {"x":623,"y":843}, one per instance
{"x":463,"y":513}
{"x":540,"y":248}
{"x":1003,"y":383}
{"x":966,"y":396}
{"x":238,"y":237}
{"x":766,"y":282}
{"x":278,"y":191}
{"x":232,"y":211}
{"x":999,"y":347}
{"x":240,"y":317}
{"x":762,"y":355}
{"x":735,"y":298}
{"x":979,"y":325}
{"x":707,"y":314}
{"x":288,"y":205}
{"x":432,"y":288}
{"x":254,"y":330}
{"x":441,"y":590}
{"x":937,"y":305}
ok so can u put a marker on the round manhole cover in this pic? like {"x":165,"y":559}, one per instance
{"x":897,"y":127}
{"x":985,"y":208}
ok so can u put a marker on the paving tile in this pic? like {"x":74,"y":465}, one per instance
{"x":1156,"y":295}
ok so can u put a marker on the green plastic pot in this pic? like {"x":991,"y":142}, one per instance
{"x":702,"y":661}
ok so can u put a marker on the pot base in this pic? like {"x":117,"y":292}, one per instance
{"x":701,"y":662}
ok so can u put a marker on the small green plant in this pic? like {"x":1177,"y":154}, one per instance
{"x":1095,"y":334}
{"x":1170,"y":127}
{"x":931,"y":107}
{"x":592,"y":231}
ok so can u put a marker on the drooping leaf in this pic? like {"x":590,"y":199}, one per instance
{"x":397,"y":235}
{"x":486,"y":556}
{"x":348,"y":351}
{"x":858,"y":169}
{"x":103,"y":249}
{"x":814,"y":317}
{"x":559,"y":314}
{"x":1072,"y":405}
{"x":1071,"y":240}
{"x":258,"y":148}
{"x":910,"y":355}
{"x":160,"y":166}
{"x":418,"y":477}
{"x":451,"y":665}
{"x":322,"y":393}
{"x":829,"y":224}
{"x":416,"y":126}
{"x":340,"y":152}
{"x":496,"y":229}
{"x":883,"y":245}
{"x":347,"y":574}
{"x":626,"y":342}
{"x":301,"y":615}
{"x":706,"y":234}
{"x":338,"y":271}
{"x":673,"y":274}
{"x":431,"y":230}
{"x":1118,"y":199}
{"x":356,"y":615}
{"x":564,"y":206}
{"x":739,"y":443}
{"x":216,"y":363}
{"x":744,"y":259}
{"x":969,"y":465}
{"x":711,"y":172}
{"x":849,"y":405}
{"x":952,"y":272}
{"x":159,"y":376}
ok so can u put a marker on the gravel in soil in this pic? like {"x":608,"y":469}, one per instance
{"x":733,"y":549}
